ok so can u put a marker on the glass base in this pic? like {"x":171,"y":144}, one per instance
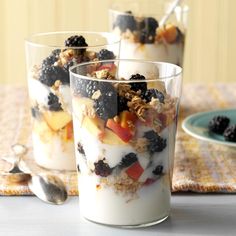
{"x":144,"y":225}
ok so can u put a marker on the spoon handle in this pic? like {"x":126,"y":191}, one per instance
{"x":169,"y":12}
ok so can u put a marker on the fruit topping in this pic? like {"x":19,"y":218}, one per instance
{"x":125,"y":21}
{"x":153,"y":93}
{"x":49,"y":61}
{"x":53,"y":103}
{"x":102,"y":168}
{"x":156,"y":143}
{"x":135,"y":171}
{"x":149,"y":181}
{"x":230,"y":133}
{"x":49,"y":75}
{"x":128,"y":160}
{"x":124,"y":133}
{"x":76,"y":41}
{"x":105,"y":54}
{"x":158,"y":170}
{"x":56,"y":119}
{"x":170,"y":33}
{"x":218,"y":124}
{"x":138,"y":85}
{"x":148,"y":30}
{"x":80,"y":148}
{"x":106,"y":105}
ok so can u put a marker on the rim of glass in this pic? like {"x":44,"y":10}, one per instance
{"x":185,"y":8}
{"x":170,"y":77}
{"x":30,"y":39}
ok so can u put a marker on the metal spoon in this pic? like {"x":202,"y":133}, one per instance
{"x":169,"y":12}
{"x":48,"y":188}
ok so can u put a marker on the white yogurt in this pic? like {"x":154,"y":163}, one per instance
{"x":106,"y":206}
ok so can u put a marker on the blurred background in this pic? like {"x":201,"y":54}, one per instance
{"x":210,"y":47}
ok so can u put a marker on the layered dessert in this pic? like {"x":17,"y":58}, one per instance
{"x":143,"y":38}
{"x":49,"y":92}
{"x":124,"y":138}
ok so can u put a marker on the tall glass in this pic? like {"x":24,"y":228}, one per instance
{"x":125,"y":115}
{"x":143,"y":34}
{"x":49,"y":56}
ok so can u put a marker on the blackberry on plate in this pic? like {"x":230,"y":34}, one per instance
{"x":230,"y":133}
{"x":53,"y":103}
{"x":122,"y":104}
{"x":80,"y":148}
{"x":106,"y":105}
{"x":128,"y":160}
{"x":158,"y":170}
{"x":153,"y":93}
{"x":218,"y":124}
{"x":125,"y":21}
{"x":102,"y":168}
{"x":156,"y":143}
{"x":50,"y":74}
{"x":138,"y":85}
{"x":105,"y":54}
{"x":76,"y":41}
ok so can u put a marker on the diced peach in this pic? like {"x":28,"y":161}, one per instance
{"x":124,"y":133}
{"x":170,"y":33}
{"x":69,"y":131}
{"x":135,"y":171}
{"x":127,"y":119}
{"x":111,"y":138}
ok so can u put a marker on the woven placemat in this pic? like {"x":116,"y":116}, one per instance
{"x":199,"y":166}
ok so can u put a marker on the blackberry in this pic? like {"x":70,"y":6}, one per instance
{"x":230,"y":133}
{"x":91,"y":87}
{"x":218,"y":124}
{"x":150,"y":25}
{"x":105,"y":54}
{"x":146,"y":37}
{"x":49,"y":61}
{"x":106,"y":105}
{"x":122,"y":104}
{"x":138,"y":85}
{"x":102,"y":168}
{"x":128,"y":160}
{"x":156,"y":143}
{"x":56,"y":52}
{"x":153,"y":93}
{"x":53,"y":103}
{"x":77,"y":41}
{"x":50,"y":74}
{"x":158,"y":170}
{"x":125,"y":21}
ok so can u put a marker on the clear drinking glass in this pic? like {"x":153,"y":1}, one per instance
{"x":144,"y":36}
{"x":49,"y":56}
{"x":125,"y":116}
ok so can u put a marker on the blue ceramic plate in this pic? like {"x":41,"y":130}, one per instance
{"x":196,"y":125}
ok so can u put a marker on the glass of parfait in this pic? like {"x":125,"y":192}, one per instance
{"x":125,"y":116}
{"x":144,"y":35}
{"x":49,"y":56}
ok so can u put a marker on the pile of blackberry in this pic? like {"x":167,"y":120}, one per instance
{"x":128,"y":160}
{"x":148,"y":30}
{"x":156,"y":143}
{"x":218,"y":124}
{"x":53,"y":102}
{"x":153,"y":93}
{"x":125,"y":21}
{"x":102,"y":168}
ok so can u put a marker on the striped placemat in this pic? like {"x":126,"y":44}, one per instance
{"x":199,"y":166}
